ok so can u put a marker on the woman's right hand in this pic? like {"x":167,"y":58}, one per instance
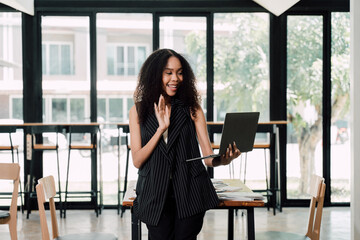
{"x":162,"y":113}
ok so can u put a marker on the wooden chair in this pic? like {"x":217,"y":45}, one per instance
{"x":317,"y":192}
{"x":11,"y":171}
{"x":45,"y":189}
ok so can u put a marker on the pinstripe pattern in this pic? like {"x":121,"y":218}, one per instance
{"x":194,"y":192}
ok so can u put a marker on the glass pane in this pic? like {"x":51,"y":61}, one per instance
{"x":69,"y":74}
{"x":110,"y":60}
{"x":241,"y":64}
{"x":140,"y":58}
{"x":101,"y":108}
{"x":11,"y":81}
{"x":340,"y":112}
{"x":304,"y":102}
{"x":77,"y":107}
{"x":54,"y":59}
{"x":130,"y":103}
{"x":115,"y":110}
{"x":120,"y":61}
{"x":65,"y":60}
{"x":44,"y":67}
{"x":59,"y":109}
{"x":131,"y":61}
{"x":124,"y":40}
{"x":17,"y":108}
{"x":187,"y":36}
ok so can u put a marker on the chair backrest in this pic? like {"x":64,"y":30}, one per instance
{"x":45,"y":189}
{"x":11,"y":171}
{"x":37,"y":129}
{"x":91,"y":128}
{"x":7,"y":129}
{"x":40,"y":129}
{"x":317,"y":192}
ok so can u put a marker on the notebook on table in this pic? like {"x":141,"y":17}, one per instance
{"x":239,"y":127}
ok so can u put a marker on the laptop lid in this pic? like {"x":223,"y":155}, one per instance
{"x":239,"y":127}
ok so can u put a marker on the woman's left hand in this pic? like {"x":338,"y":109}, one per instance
{"x":232,"y":152}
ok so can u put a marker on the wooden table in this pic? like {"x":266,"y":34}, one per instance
{"x":229,"y":204}
{"x":272,"y":128}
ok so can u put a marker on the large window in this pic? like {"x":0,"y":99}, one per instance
{"x":340,"y":112}
{"x":124,"y":40}
{"x":304,"y":102}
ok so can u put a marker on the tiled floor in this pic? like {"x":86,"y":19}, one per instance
{"x":335,"y":224}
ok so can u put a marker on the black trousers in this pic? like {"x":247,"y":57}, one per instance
{"x":170,"y":227}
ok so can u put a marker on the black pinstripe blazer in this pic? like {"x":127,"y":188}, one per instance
{"x":193,"y":190}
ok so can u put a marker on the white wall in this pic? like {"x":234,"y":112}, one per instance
{"x":355,"y":116}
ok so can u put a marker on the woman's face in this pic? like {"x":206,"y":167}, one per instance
{"x":172,"y":76}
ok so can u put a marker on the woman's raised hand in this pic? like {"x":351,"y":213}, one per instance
{"x":162,"y":112}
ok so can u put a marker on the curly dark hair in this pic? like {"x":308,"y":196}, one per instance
{"x":149,"y":85}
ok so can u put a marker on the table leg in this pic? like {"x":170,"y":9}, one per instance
{"x":135,"y":227}
{"x":231,"y":224}
{"x":251,"y":223}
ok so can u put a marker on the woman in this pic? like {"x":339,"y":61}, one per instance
{"x":167,"y":125}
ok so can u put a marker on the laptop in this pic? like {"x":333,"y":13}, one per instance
{"x":239,"y":127}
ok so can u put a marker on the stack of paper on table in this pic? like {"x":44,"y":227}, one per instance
{"x":234,"y":189}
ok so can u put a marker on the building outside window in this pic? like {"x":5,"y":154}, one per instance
{"x":57,"y":59}
{"x":125,"y":60}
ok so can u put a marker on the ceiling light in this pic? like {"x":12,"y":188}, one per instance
{"x":276,"y":7}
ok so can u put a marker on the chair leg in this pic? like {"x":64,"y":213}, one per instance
{"x":66,"y":183}
{"x":267,"y":181}
{"x":30,"y":185}
{"x":96,"y":194}
{"x":118,"y":183}
{"x":13,"y":229}
{"x":125,"y":181}
{"x":59,"y":183}
{"x":21,"y":191}
{"x":100,"y":204}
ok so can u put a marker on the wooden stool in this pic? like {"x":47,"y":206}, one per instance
{"x":39,"y":145}
{"x":90,"y":146}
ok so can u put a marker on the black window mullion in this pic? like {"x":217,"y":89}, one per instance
{"x":278,"y":87}
{"x":327,"y":104}
{"x":93,"y":65}
{"x":210,"y":67}
{"x":156,"y":31}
